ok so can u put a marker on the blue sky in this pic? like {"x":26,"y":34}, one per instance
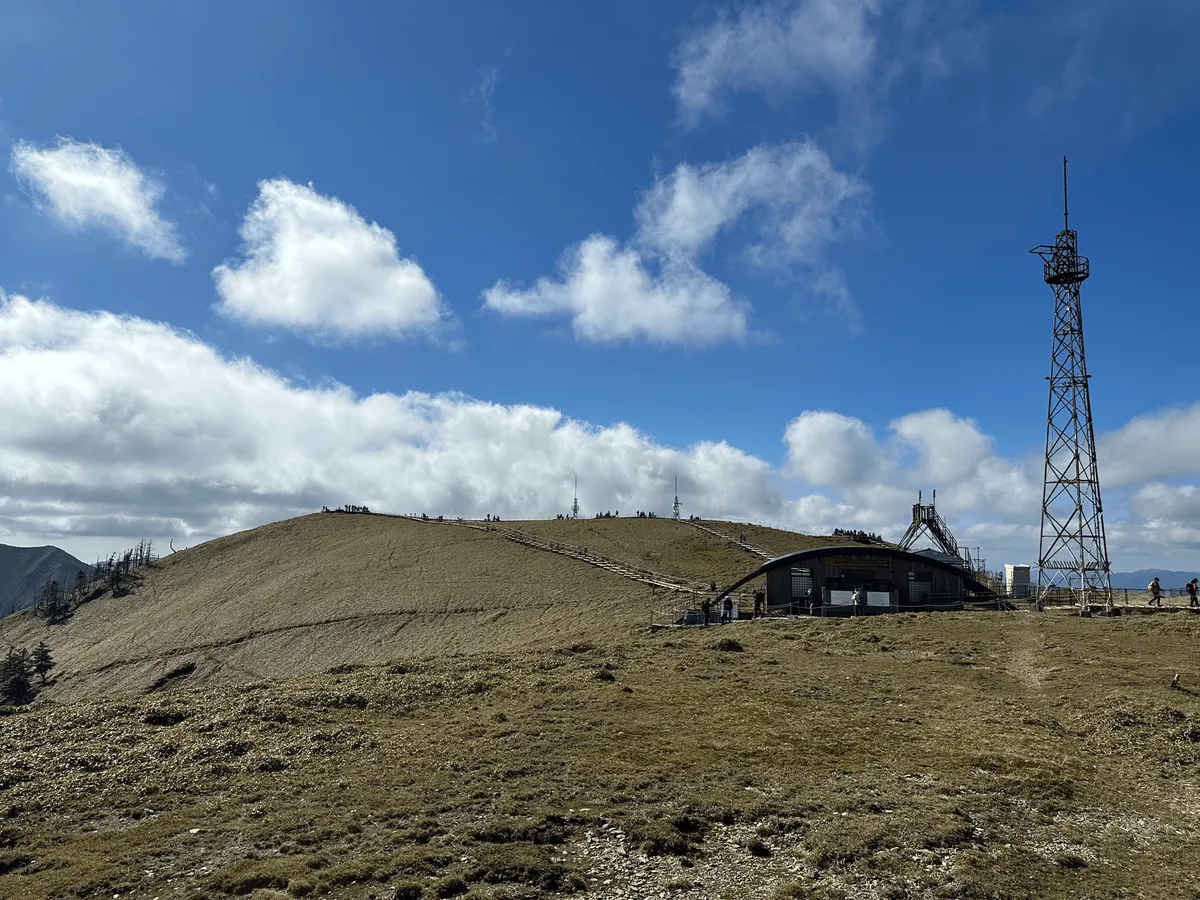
{"x":792,"y":232}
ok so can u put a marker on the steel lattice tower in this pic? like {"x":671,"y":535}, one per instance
{"x":1073,"y":552}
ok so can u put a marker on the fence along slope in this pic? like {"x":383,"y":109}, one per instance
{"x":745,"y":545}
{"x":625,"y":570}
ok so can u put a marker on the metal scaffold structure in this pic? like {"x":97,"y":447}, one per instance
{"x":1073,"y":551}
{"x":927,"y":521}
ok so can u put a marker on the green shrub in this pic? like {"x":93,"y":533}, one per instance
{"x":407,"y":890}
{"x":450,"y":887}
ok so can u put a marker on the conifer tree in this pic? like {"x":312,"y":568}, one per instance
{"x":53,"y":603}
{"x":41,"y":660}
{"x":14,"y":676}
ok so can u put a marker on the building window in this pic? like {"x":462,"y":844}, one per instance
{"x":801,"y":584}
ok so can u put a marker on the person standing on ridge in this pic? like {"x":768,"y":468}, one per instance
{"x":1155,"y":590}
{"x":1193,"y":589}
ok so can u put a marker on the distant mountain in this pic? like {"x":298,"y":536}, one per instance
{"x":1141,"y":578}
{"x":23,"y":570}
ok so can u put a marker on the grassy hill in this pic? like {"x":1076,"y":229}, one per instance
{"x":310,"y":593}
{"x":370,"y":708}
{"x":935,"y":756}
{"x":23,"y":571}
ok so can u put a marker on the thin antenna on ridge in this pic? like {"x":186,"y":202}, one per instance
{"x":575,"y":502}
{"x":1066,"y":220}
{"x":675,"y":505}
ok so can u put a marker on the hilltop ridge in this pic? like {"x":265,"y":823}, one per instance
{"x":23,"y":571}
{"x":331,"y":589}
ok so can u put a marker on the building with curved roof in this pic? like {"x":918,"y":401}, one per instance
{"x":823,"y":580}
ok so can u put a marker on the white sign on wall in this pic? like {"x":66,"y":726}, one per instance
{"x":841,"y":598}
{"x":879,"y":598}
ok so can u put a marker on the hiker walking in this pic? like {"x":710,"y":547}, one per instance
{"x":727,"y":610}
{"x":1193,"y":589}
{"x":759,"y":599}
{"x":1155,"y":590}
{"x":706,"y":608}
{"x":860,"y":600}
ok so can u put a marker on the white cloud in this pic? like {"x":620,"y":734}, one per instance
{"x":313,"y":265}
{"x":790,"y":196}
{"x":1163,"y":503}
{"x":853,"y":49}
{"x":776,"y":46}
{"x":800,"y":204}
{"x":171,"y":439}
{"x":86,"y":184}
{"x":831,"y":450}
{"x":926,"y":450}
{"x":612,"y":295}
{"x":1162,"y":444}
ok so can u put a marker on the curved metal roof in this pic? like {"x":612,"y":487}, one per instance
{"x":800,"y":556}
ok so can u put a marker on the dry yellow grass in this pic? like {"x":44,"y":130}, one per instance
{"x":310,"y":593}
{"x":931,"y":757}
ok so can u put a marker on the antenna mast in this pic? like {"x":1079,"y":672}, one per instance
{"x":675,"y":505}
{"x":1072,"y":533}
{"x":575,"y":502}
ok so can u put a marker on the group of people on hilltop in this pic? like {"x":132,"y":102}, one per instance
{"x":1156,"y":591}
{"x":862,"y":537}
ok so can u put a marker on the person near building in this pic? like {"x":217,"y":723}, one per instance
{"x":1155,"y":590}
{"x":759,"y":603}
{"x":1193,"y":589}
{"x":860,"y":601}
{"x":727,"y":610}
{"x":706,"y":608}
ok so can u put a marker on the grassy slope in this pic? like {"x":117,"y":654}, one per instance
{"x":306,"y":594}
{"x":923,"y":756}
{"x":676,"y":548}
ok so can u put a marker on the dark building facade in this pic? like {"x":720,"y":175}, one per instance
{"x":823,"y":580}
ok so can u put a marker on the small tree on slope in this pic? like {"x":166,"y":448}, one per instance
{"x":14,"y":676}
{"x":41,"y":660}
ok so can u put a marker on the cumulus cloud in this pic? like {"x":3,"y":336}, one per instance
{"x":790,"y":197}
{"x":88,"y":185}
{"x":852,"y":49}
{"x":314,"y":266}
{"x":612,"y":294}
{"x":878,"y":479}
{"x":831,"y":450}
{"x":1160,"y":445}
{"x":170,"y":438}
